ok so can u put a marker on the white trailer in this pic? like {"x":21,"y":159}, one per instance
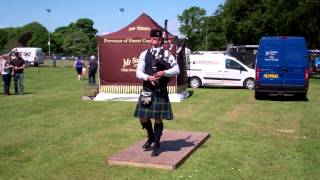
{"x":32,"y":55}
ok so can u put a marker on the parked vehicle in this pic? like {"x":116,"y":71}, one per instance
{"x":314,"y":60}
{"x":210,"y":69}
{"x":316,"y":64}
{"x":282,"y":66}
{"x":33,"y":56}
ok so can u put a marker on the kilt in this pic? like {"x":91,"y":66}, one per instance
{"x":160,"y":107}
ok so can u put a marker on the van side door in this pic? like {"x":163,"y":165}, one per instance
{"x":233,"y":73}
{"x":212,"y":73}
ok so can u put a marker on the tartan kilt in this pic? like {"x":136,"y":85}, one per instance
{"x":160,"y":107}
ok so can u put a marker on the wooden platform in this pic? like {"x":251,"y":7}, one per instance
{"x":176,"y":146}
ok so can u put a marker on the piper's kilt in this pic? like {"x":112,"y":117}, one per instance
{"x":160,"y":107}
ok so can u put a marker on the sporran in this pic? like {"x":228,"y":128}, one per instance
{"x":145,"y":98}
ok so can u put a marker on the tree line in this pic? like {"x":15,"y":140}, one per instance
{"x":78,"y":38}
{"x":237,"y":22}
{"x":241,"y":22}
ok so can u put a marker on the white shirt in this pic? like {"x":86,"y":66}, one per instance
{"x":3,"y":66}
{"x":174,"y":70}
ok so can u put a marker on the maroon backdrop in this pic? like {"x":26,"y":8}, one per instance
{"x":119,"y":51}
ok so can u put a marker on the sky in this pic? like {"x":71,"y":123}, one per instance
{"x":105,"y":14}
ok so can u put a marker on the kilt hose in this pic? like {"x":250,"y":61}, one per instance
{"x":160,"y":107}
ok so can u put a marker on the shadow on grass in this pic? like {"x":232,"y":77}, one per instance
{"x":13,"y":94}
{"x":175,"y":145}
{"x":50,"y":66}
{"x":222,"y":87}
{"x":190,"y":94}
{"x":275,"y":97}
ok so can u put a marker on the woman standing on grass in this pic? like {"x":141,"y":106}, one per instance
{"x":6,"y":73}
{"x":78,"y":65}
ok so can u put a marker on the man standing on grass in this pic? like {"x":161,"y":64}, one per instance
{"x":93,"y":66}
{"x":54,"y":60}
{"x":155,"y":66}
{"x":18,"y":65}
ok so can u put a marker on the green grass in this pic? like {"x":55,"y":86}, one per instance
{"x":50,"y":133}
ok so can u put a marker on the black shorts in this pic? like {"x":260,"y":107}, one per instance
{"x":79,"y":70}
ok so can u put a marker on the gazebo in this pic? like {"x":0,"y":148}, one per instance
{"x":118,"y":58}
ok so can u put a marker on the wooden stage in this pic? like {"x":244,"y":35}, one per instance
{"x":176,"y":147}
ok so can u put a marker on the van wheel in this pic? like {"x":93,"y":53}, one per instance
{"x":195,"y":82}
{"x":249,"y":83}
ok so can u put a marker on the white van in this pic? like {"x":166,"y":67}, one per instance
{"x":209,"y":69}
{"x":32,"y":55}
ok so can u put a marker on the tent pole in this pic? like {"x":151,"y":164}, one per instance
{"x":98,"y":56}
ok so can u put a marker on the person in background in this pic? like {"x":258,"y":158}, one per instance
{"x":5,"y":70}
{"x":54,"y":60}
{"x":93,"y":66}
{"x":78,"y":65}
{"x":1,"y":59}
{"x":18,"y":65}
{"x":154,"y":100}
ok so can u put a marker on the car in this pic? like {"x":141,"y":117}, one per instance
{"x":316,"y":64}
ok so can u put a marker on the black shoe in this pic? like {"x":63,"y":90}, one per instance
{"x":156,"y":150}
{"x":148,"y":143}
{"x":148,"y":126}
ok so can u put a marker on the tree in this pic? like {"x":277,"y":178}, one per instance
{"x":215,"y":32}
{"x":12,"y":38}
{"x":36,"y":35}
{"x":33,"y":35}
{"x":56,"y":42}
{"x":83,"y":25}
{"x":306,"y":17}
{"x":24,"y":38}
{"x":243,"y":21}
{"x":3,"y":39}
{"x":39,"y":40}
{"x":86,"y":25}
{"x":192,"y":24}
{"x":76,"y":43}
{"x":246,"y":21}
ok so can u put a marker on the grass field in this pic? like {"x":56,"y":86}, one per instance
{"x":49,"y":133}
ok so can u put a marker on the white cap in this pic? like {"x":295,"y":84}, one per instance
{"x":92,"y":57}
